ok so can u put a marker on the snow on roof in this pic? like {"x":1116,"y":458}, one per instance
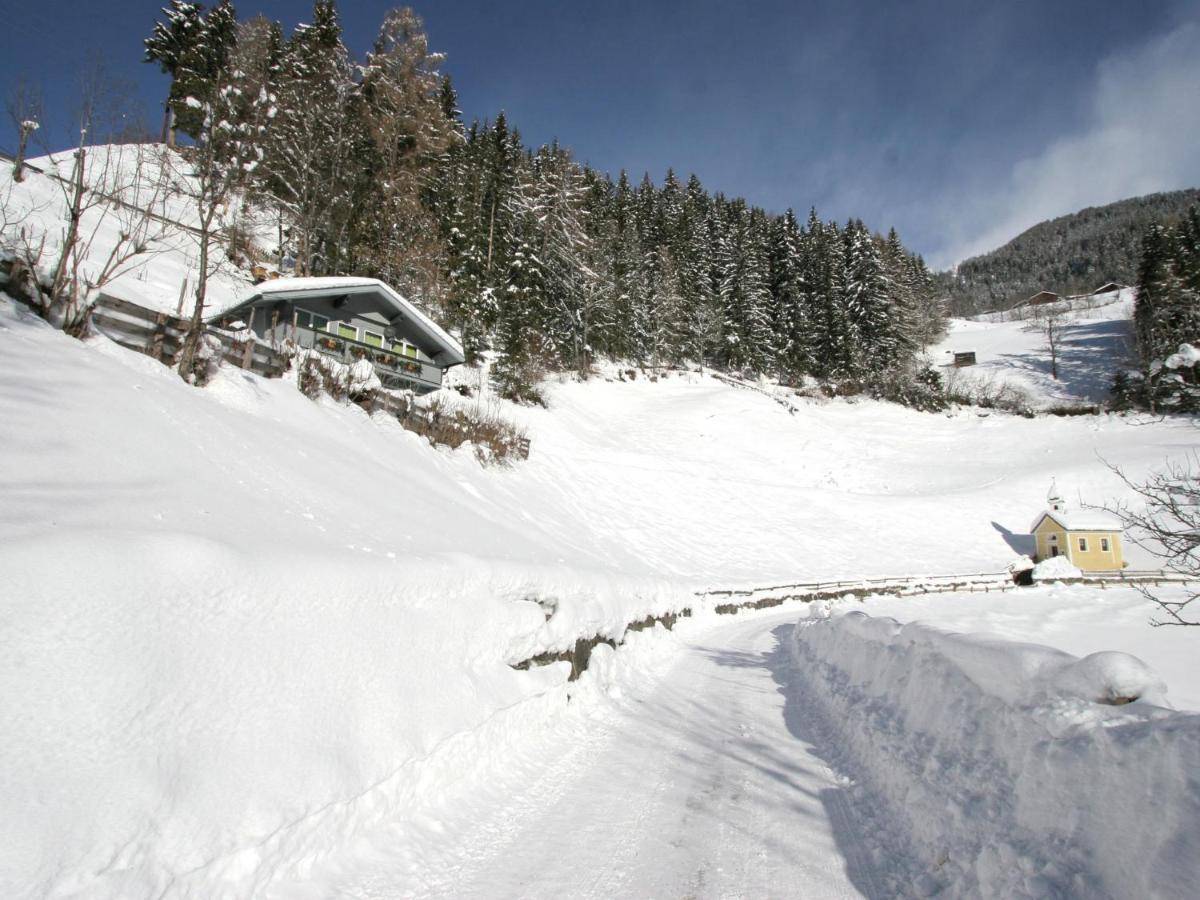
{"x":289,"y":287}
{"x":1080,"y":520}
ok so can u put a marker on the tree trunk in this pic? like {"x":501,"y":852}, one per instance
{"x":187,"y":356}
{"x":19,"y":165}
{"x":59,"y":282}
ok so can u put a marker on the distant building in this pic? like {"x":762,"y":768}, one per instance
{"x":1090,"y":539}
{"x":1110,"y":287}
{"x":1039,"y":299}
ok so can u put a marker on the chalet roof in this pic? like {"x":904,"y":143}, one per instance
{"x":1080,"y":520}
{"x":342,"y":297}
{"x":1109,"y":288}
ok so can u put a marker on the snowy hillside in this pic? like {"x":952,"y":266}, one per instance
{"x":1095,"y":340}
{"x":251,"y":638}
{"x":240,"y":625}
{"x":151,"y":185}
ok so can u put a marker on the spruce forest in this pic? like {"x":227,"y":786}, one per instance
{"x":1072,"y":254}
{"x":1166,"y":320}
{"x":526,"y":253}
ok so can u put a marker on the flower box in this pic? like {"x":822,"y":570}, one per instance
{"x":330,"y":343}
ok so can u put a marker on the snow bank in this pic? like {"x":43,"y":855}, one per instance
{"x":218,"y":720}
{"x":1054,"y":568}
{"x":1009,"y":769}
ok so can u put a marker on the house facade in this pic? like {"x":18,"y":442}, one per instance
{"x":1090,"y":539}
{"x":350,"y":319}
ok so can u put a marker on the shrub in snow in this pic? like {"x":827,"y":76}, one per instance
{"x":1056,"y":567}
{"x":494,"y":439}
{"x":318,"y":373}
{"x":919,"y":388}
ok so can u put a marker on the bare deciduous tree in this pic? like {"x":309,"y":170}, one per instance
{"x":1053,"y":331}
{"x":25,"y":109}
{"x":1169,"y":527}
{"x":112,"y":215}
{"x":227,"y":151}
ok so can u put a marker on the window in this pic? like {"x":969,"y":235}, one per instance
{"x":1083,"y":545}
{"x":306,"y":319}
{"x":347,"y":331}
{"x":1104,"y":544}
{"x":373,"y":338}
{"x":405,"y":349}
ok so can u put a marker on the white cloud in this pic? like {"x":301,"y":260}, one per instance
{"x":1144,"y":136}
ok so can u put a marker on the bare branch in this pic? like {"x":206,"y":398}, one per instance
{"x":1167,"y":524}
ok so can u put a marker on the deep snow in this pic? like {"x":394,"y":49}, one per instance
{"x":242,"y":628}
{"x":248,"y":636}
{"x":996,"y":768}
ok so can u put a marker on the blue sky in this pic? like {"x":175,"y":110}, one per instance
{"x":959,"y":123}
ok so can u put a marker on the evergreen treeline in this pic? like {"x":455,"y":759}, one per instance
{"x":1166,"y":317}
{"x":1072,"y":254}
{"x":526,"y":252}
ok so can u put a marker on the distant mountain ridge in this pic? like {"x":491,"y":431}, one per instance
{"x":1072,"y":254}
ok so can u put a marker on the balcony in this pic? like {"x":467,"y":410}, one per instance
{"x":397,"y":370}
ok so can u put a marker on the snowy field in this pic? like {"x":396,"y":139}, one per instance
{"x":1094,"y":336}
{"x":244,"y":629}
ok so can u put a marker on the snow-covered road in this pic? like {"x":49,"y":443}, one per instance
{"x":704,"y":784}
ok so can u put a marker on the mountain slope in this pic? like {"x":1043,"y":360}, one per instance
{"x":1072,"y":254}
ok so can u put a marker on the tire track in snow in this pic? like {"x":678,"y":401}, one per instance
{"x":699,"y":783}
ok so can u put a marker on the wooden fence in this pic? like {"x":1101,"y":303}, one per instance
{"x":982,"y":582}
{"x":160,"y":336}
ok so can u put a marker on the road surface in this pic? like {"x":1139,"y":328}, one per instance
{"x":706,"y":784}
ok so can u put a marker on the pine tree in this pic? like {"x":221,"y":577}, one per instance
{"x":744,"y":292}
{"x":399,"y":104}
{"x":308,"y":166}
{"x":789,"y":299}
{"x":202,"y":63}
{"x":169,"y":41}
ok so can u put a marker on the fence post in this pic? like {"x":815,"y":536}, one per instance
{"x":156,"y":339}
{"x":248,"y":349}
{"x":182,"y":293}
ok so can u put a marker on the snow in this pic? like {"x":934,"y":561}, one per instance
{"x":1095,"y":336}
{"x":1002,"y":768}
{"x":142,"y":175}
{"x":1055,"y":567}
{"x":1076,"y":618}
{"x":260,"y":645}
{"x":1081,"y":520}
{"x":682,"y":768}
{"x":1185,"y":357}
